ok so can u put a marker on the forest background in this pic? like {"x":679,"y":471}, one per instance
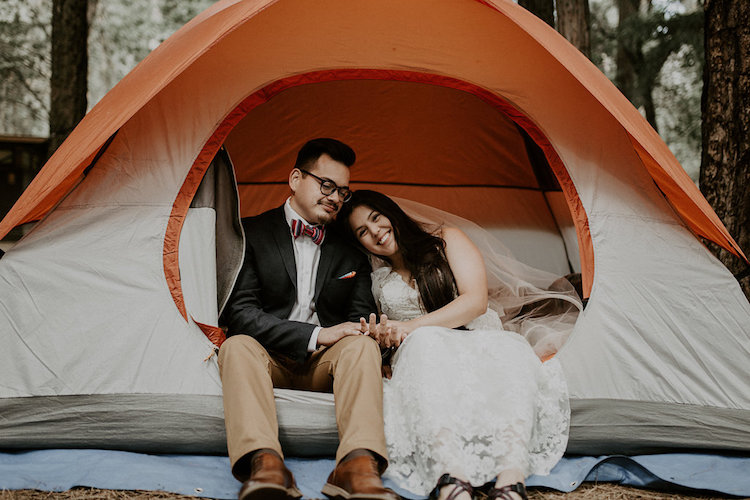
{"x":59,"y":57}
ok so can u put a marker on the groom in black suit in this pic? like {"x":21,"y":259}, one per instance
{"x":293,"y":323}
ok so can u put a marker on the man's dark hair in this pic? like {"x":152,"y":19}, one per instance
{"x":314,"y":149}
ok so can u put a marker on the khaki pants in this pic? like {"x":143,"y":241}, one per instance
{"x":350,"y":368}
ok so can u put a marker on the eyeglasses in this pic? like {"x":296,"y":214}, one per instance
{"x":327,"y":187}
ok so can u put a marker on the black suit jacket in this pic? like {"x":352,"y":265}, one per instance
{"x":266,"y":287}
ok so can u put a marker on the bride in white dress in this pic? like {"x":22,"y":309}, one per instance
{"x":469,"y":404}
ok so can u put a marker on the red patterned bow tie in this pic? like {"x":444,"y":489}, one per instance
{"x":314,"y":232}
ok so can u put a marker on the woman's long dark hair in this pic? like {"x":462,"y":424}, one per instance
{"x":423,"y":253}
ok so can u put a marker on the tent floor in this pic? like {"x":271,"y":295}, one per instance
{"x":209,"y":476}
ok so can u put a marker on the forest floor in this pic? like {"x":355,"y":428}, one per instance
{"x":587,"y":491}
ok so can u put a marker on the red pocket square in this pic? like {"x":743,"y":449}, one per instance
{"x":348,"y":275}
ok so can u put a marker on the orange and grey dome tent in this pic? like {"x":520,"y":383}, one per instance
{"x":476,"y":107}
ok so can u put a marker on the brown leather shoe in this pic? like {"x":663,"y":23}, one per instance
{"x":269,"y":480}
{"x":357,"y":479}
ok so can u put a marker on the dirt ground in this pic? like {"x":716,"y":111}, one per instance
{"x":588,"y":491}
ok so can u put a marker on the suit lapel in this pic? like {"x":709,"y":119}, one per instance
{"x":327,"y":253}
{"x":283,"y":238}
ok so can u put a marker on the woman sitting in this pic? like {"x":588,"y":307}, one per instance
{"x":469,"y":403}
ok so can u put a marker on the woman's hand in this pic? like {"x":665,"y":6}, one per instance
{"x":389,"y":334}
{"x":401,"y":329}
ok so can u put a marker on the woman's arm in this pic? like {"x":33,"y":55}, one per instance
{"x":467,"y":266}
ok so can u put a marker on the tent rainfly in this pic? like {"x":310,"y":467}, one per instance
{"x":109,"y":306}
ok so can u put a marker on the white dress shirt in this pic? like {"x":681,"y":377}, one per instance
{"x":306,"y":258}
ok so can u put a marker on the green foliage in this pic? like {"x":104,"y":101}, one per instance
{"x":121,"y":34}
{"x":664,"y":43}
{"x":679,"y":116}
{"x":603,"y":36}
{"x":654,"y":36}
{"x":25,"y":33}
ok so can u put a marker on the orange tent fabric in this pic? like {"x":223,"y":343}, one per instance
{"x":486,"y":46}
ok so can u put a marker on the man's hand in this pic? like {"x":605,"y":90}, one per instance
{"x":332,"y":334}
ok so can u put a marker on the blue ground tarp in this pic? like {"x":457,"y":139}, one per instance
{"x":209,"y":476}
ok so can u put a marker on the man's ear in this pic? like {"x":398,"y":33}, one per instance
{"x":294,"y":179}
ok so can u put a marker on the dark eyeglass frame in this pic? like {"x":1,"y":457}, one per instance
{"x":328,"y":187}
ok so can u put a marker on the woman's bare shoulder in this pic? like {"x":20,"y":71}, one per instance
{"x":453,"y":234}
{"x":457,"y":243}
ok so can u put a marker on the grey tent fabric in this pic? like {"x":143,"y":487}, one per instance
{"x":600,"y":426}
{"x":159,"y":423}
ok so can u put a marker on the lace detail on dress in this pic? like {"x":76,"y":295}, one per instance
{"x":471,"y":403}
{"x":549,"y":436}
{"x":402,"y":302}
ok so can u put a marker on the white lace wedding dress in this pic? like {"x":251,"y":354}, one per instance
{"x":471,"y":402}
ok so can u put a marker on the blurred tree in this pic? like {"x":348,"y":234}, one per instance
{"x":647,"y":35}
{"x":629,"y":51}
{"x":572,"y":19}
{"x":68,"y":84}
{"x":670,"y":64}
{"x":573,"y":22}
{"x":123,"y":33}
{"x":543,"y":9}
{"x":24,"y":66}
{"x":120,"y":35}
{"x":725,"y":163}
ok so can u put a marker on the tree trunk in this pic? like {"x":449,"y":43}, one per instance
{"x":543,"y":9}
{"x":627,"y":51}
{"x":68,"y":84}
{"x":573,"y":21}
{"x":725,"y":162}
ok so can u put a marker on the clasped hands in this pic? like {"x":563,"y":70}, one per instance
{"x":388,"y":334}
